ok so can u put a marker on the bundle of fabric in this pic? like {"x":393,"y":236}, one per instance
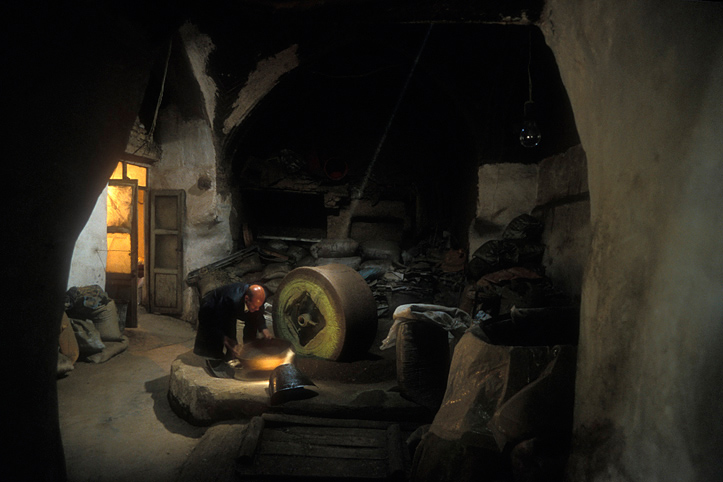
{"x":519,"y":246}
{"x":210,"y":278}
{"x":451,"y":319}
{"x":380,"y":249}
{"x":337,"y":251}
{"x":68,"y":349}
{"x":272,"y":275}
{"x":93,"y":317}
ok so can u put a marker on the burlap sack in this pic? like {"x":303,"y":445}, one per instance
{"x":107,"y":323}
{"x":67,"y":342}
{"x":335,"y":248}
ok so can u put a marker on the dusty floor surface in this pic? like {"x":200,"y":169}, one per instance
{"x":115,"y":418}
{"x":117,"y":424}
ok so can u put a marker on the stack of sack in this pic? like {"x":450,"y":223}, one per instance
{"x":515,"y":303}
{"x":209,"y":279}
{"x":90,"y":329}
{"x":519,"y":246}
{"x":378,"y":256}
{"x":336,"y":251}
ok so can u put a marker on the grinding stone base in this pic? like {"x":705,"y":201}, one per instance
{"x":201,"y":399}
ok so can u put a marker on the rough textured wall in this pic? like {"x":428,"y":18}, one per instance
{"x":192,"y":162}
{"x":504,"y":191}
{"x":259,"y":83}
{"x":563,"y":205}
{"x":188,"y":162}
{"x":644,"y":79}
{"x":556,"y":192}
{"x":198,"y":47}
{"x":73,"y":89}
{"x":89,"y":255}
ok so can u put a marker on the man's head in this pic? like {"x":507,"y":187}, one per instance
{"x":255,"y":297}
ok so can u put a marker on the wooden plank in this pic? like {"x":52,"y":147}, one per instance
{"x":316,"y":451}
{"x":165,"y":290}
{"x":273,"y":419}
{"x":193,"y":276}
{"x":395,"y":458}
{"x":336,"y":437}
{"x":267,"y":447}
{"x":250,"y":440}
{"x":290,"y":467}
{"x":313,"y":430}
{"x":165,"y":275}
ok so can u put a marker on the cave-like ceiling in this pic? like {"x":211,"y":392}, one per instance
{"x":467,"y":90}
{"x":422,"y":92}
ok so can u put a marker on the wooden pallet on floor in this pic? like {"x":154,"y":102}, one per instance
{"x":300,"y":448}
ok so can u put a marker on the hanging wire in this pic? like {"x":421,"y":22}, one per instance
{"x":102,"y":262}
{"x":394,"y":113}
{"x":149,"y":137}
{"x":163,"y":87}
{"x":529,"y":61}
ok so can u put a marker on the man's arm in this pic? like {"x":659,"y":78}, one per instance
{"x":258,"y":320}
{"x":232,"y":346}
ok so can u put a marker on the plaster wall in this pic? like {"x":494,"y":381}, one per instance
{"x":190,"y":159}
{"x":188,"y":162}
{"x":567,"y":245}
{"x":644,"y":80}
{"x":504,"y":192}
{"x":259,"y":83}
{"x":87,"y":266}
{"x":563,"y":205}
{"x":198,"y":47}
{"x":556,"y":192}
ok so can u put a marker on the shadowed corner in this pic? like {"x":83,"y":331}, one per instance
{"x":158,"y":389}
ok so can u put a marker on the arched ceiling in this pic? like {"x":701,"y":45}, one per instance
{"x":460,"y":103}
{"x":489,"y":11}
{"x":470,"y":84}
{"x":464,"y":93}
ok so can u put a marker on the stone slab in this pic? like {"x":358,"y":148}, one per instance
{"x":562,"y":176}
{"x":201,"y":399}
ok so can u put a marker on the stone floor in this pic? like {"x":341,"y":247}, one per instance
{"x":115,"y":419}
{"x":118,"y":424}
{"x":363,"y":389}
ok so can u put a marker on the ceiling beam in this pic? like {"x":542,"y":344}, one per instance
{"x":402,"y":11}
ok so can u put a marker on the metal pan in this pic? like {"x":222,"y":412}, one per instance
{"x":265,"y":355}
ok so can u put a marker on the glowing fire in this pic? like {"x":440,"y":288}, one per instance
{"x":269,"y":362}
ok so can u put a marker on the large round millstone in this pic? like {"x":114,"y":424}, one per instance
{"x":326,"y":311}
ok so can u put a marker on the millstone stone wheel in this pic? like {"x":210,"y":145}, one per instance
{"x":326,"y":312}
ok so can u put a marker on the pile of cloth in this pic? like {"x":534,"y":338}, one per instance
{"x":510,"y":297}
{"x":90,"y":330}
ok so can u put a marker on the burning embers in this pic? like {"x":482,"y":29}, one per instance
{"x":263,"y":356}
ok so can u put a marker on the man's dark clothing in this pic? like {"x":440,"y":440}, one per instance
{"x":217,"y":317}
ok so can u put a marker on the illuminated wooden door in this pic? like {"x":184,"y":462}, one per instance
{"x":122,"y":237}
{"x":166,"y":251}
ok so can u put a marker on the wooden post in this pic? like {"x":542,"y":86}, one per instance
{"x":250,"y":440}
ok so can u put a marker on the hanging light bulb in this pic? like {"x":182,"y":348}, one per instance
{"x":530,"y":134}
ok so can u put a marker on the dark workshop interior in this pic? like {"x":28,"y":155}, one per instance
{"x":486,"y":233}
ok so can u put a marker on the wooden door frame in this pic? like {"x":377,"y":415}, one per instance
{"x":129,"y":280}
{"x":153,"y":232}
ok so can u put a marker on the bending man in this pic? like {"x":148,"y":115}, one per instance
{"x":217,"y":317}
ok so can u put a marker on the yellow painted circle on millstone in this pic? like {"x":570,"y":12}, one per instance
{"x":325,"y":312}
{"x":328,"y":341}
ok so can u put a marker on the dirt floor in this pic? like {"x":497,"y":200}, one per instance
{"x":115,"y":418}
{"x":117,"y":424}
